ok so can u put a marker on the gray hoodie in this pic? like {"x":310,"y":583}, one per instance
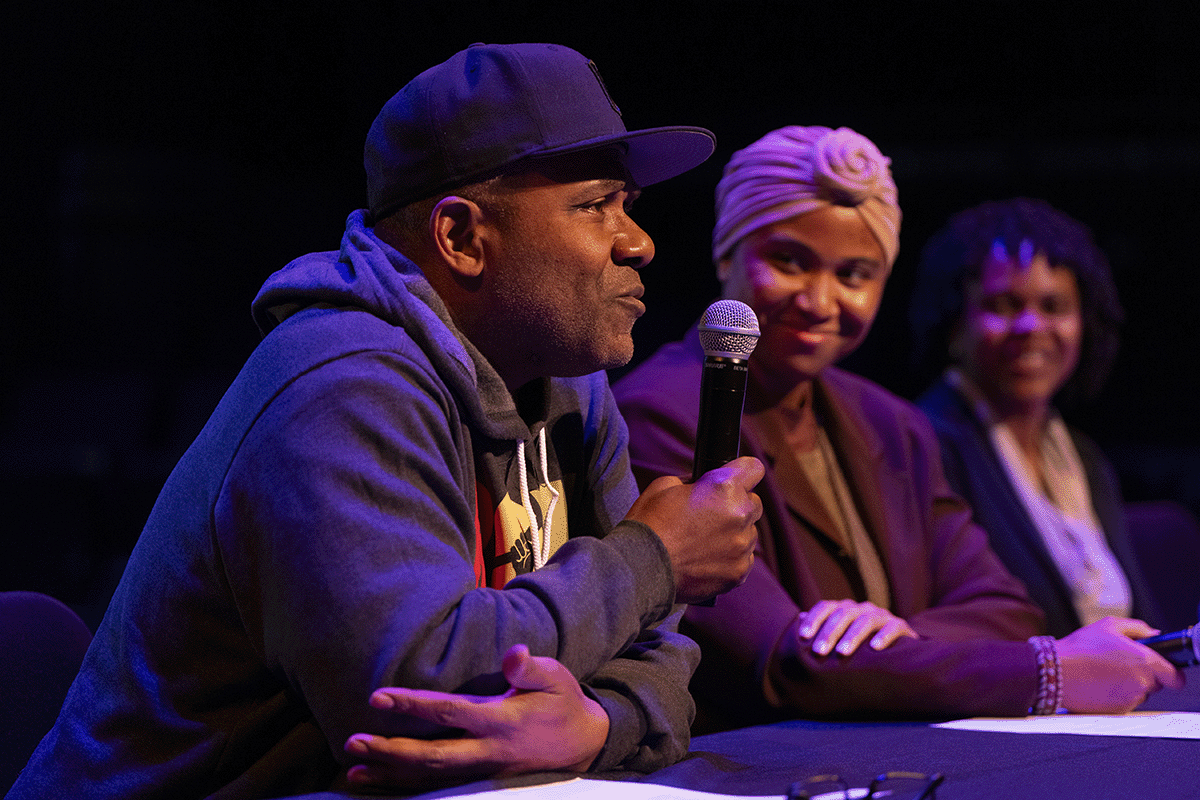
{"x":335,"y":528}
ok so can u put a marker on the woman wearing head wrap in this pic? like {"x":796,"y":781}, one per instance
{"x":873,"y":594}
{"x":1020,"y":301}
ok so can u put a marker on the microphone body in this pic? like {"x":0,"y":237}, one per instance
{"x":722,"y":395}
{"x":728,"y":334}
{"x":1181,"y":648}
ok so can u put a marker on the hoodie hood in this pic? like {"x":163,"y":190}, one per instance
{"x":369,"y":275}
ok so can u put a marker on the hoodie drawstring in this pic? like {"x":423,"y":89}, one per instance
{"x":540,"y":538}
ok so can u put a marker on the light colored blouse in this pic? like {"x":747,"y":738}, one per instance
{"x":1060,"y":505}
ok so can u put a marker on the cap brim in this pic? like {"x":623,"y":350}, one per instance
{"x":653,"y":154}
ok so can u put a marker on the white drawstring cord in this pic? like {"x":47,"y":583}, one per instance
{"x":540,"y":538}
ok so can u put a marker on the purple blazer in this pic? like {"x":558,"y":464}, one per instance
{"x":972,"y":615}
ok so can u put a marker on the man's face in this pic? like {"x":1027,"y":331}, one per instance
{"x":815,"y":281}
{"x":562,"y":274}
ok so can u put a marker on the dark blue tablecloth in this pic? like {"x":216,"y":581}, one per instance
{"x":765,"y":760}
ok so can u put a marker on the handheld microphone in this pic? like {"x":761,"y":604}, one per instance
{"x":728,"y":334}
{"x":1181,"y":648}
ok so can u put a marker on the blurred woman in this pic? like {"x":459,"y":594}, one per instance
{"x":1021,"y":303}
{"x":873,"y":593}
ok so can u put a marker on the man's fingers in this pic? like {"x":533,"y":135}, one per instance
{"x":400,"y":761}
{"x":661,"y":484}
{"x":450,"y":710}
{"x":530,"y":673}
{"x":748,"y":471}
{"x":441,"y":754}
{"x":744,"y":472}
{"x":516,"y":665}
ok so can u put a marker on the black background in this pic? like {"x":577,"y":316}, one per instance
{"x":161,"y":159}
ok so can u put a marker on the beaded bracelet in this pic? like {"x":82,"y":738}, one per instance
{"x":1049,"y":696}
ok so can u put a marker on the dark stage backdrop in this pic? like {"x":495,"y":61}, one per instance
{"x":163,"y":158}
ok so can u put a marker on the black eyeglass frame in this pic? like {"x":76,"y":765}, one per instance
{"x":797,"y":791}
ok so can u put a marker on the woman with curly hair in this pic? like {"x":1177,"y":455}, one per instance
{"x":1017,"y":297}
{"x":873,"y":592}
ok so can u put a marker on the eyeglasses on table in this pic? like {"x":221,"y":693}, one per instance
{"x":891,"y":785}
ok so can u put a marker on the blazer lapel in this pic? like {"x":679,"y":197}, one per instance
{"x":878,"y":492}
{"x":767,"y":431}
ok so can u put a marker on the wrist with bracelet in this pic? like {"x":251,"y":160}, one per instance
{"x":1049,"y":696}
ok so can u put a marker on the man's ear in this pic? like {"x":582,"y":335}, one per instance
{"x":454,"y":229}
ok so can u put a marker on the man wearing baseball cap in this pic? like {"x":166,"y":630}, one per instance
{"x":418,"y":486}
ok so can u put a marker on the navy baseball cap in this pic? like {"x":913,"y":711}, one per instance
{"x":492,"y":105}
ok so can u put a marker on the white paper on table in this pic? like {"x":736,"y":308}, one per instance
{"x":1155,"y":724}
{"x":590,"y":789}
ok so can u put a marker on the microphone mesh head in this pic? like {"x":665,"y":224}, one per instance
{"x":729,"y":329}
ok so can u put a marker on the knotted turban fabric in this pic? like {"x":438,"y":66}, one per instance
{"x":797,"y":169}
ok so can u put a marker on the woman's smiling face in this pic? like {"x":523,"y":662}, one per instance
{"x":815,"y":281}
{"x":1021,"y":332}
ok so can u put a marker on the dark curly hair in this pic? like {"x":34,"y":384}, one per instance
{"x":955,"y":254}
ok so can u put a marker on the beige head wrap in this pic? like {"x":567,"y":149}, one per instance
{"x":797,"y":169}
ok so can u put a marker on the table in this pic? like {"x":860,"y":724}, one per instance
{"x":766,"y":759}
